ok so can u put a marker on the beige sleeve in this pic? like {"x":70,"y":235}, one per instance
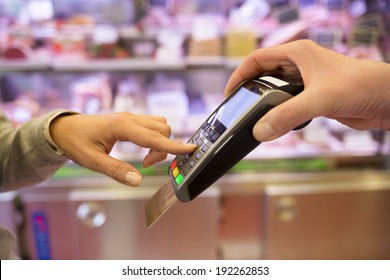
{"x":28,"y":155}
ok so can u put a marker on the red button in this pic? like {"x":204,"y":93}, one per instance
{"x":173,"y":164}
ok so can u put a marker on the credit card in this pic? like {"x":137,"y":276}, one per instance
{"x":160,"y":203}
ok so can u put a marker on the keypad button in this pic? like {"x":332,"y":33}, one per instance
{"x":179,"y":179}
{"x":186,"y":170}
{"x":198,"y":155}
{"x":199,"y":142}
{"x":191,"y":163}
{"x":196,"y":136}
{"x":179,"y":159}
{"x":180,"y":163}
{"x":205,"y":148}
{"x":175,"y":172}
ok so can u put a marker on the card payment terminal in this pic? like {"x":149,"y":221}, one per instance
{"x":222,"y":141}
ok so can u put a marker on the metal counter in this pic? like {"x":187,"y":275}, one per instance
{"x":97,"y":218}
{"x":266,"y":215}
{"x":329,"y":215}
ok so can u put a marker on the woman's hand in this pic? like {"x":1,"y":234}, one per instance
{"x":89,"y":139}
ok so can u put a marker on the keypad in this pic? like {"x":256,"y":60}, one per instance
{"x":183,"y":164}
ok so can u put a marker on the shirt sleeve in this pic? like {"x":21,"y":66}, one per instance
{"x":28,"y":155}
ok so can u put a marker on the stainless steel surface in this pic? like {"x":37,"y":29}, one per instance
{"x":345,"y":220}
{"x":160,"y":203}
{"x":106,"y":220}
{"x":240,"y":226}
{"x":292,"y":215}
{"x":272,"y":231}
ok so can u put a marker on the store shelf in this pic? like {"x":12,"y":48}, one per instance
{"x":126,"y":64}
{"x":23,"y":65}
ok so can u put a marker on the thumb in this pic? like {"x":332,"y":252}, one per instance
{"x":120,"y":171}
{"x":285,"y":117}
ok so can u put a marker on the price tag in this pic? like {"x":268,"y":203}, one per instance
{"x":327,"y":37}
{"x":364,"y":36}
{"x":287,"y":14}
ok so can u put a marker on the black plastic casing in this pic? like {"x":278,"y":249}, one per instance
{"x":235,"y":143}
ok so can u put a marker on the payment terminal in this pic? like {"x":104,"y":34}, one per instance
{"x":222,"y":141}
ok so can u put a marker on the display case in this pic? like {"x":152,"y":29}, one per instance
{"x":173,"y":58}
{"x":124,"y":55}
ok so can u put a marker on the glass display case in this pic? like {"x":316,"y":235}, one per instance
{"x":173,"y":58}
{"x":121,"y":55}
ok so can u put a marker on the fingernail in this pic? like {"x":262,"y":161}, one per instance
{"x":133,"y":178}
{"x":263,"y":131}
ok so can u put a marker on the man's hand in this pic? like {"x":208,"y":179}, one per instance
{"x":354,"y":92}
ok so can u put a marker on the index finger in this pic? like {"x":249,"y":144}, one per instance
{"x":154,"y":140}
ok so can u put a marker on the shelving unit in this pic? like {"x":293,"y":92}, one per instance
{"x":220,"y":66}
{"x":296,"y":184}
{"x":125,"y":64}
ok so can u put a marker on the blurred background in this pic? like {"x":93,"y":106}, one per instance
{"x":319,"y":193}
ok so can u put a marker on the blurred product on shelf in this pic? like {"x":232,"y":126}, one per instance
{"x":81,"y":19}
{"x":91,"y":95}
{"x":69,"y":45}
{"x":21,"y":109}
{"x":240,"y":42}
{"x":16,"y":42}
{"x":329,"y":37}
{"x":169,"y":45}
{"x":156,"y":18}
{"x":249,"y":13}
{"x":167,"y":97}
{"x":130,"y":97}
{"x":366,"y":52}
{"x":104,"y":42}
{"x":207,"y":47}
{"x":136,"y":43}
{"x":286,"y":14}
{"x":17,"y":50}
{"x":205,"y":39}
{"x":36,"y":10}
{"x":19,"y":33}
{"x":171,"y":30}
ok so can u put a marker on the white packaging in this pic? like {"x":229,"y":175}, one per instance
{"x":172,"y":104}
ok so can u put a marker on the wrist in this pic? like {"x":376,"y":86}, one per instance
{"x":48,"y":129}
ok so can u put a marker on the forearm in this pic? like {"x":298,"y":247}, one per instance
{"x":26,"y":156}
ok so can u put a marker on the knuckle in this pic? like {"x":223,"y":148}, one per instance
{"x":167,"y":130}
{"x":305,"y":43}
{"x":159,"y":156}
{"x":114,"y":169}
{"x":163,"y":119}
{"x":153,"y":138}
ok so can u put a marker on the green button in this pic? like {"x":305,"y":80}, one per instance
{"x":179,"y":179}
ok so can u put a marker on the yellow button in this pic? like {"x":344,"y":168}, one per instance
{"x":175,"y":172}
